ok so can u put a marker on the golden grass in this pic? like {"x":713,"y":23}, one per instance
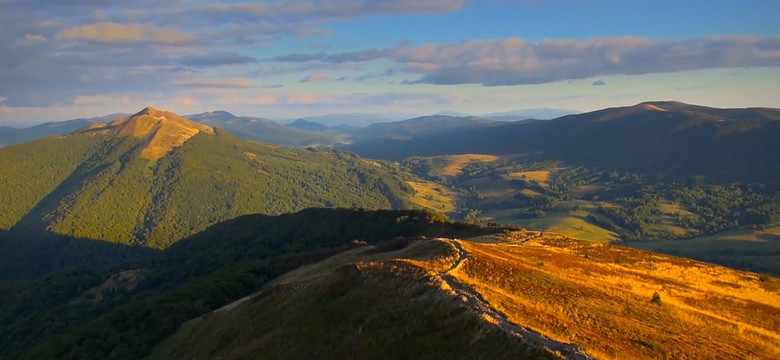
{"x":673,"y":209}
{"x":540,"y":176}
{"x":599,"y":296}
{"x":455,"y":163}
{"x":433,"y":196}
{"x":595,"y":295}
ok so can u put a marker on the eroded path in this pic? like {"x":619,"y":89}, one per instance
{"x":476,"y":302}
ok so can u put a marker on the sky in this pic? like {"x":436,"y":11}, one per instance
{"x":287,"y":59}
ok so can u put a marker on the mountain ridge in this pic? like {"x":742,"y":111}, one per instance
{"x":161,"y":130}
{"x":687,"y":140}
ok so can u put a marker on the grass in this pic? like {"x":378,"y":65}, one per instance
{"x":539,"y":176}
{"x":581,"y":295}
{"x":431,"y":195}
{"x":454,"y":163}
{"x":372,"y":304}
{"x":565,"y":223}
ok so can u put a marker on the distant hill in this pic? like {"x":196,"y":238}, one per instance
{"x":661,"y":138}
{"x":267,"y":130}
{"x":419,"y":127}
{"x":308,"y":125}
{"x":9,"y":135}
{"x":531,"y":113}
{"x":154,"y":177}
{"x":351,"y":120}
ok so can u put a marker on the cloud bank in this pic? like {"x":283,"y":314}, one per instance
{"x":515,"y":61}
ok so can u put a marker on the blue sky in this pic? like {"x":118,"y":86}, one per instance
{"x":286,"y":59}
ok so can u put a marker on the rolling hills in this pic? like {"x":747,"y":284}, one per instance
{"x":154,"y":177}
{"x":664,"y":139}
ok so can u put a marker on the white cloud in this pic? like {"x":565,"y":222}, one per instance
{"x":110,"y":32}
{"x":34,"y":38}
{"x":314,"y":77}
{"x":516,"y":61}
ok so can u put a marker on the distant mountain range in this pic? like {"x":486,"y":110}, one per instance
{"x":662,"y":138}
{"x":322,"y":130}
{"x":268,"y":130}
{"x":10,"y":135}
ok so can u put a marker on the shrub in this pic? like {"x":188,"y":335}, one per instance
{"x":656,"y":298}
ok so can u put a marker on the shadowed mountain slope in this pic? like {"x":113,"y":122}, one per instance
{"x":660,"y":138}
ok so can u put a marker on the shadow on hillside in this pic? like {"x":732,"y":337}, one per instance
{"x":27,"y":255}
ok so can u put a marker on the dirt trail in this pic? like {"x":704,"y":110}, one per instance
{"x":477,"y":303}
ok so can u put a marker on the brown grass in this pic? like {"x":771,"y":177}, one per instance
{"x":456,"y":162}
{"x":599,"y":296}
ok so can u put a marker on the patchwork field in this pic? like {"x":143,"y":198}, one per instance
{"x":454,"y":163}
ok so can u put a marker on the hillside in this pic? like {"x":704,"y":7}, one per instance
{"x":525,"y":290}
{"x":154,"y":177}
{"x":121,"y":313}
{"x":664,"y":139}
{"x":268,"y":130}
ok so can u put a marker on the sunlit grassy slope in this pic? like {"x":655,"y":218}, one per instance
{"x":449,"y":298}
{"x":357,"y":305}
{"x":431,"y":195}
{"x":600,"y":296}
{"x":454,"y":163}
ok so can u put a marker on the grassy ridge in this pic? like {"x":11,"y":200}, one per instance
{"x":602,"y":297}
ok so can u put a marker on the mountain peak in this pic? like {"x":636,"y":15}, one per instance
{"x":162,"y":130}
{"x":149,"y":110}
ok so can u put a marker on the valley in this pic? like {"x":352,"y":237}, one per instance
{"x":736,"y":226}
